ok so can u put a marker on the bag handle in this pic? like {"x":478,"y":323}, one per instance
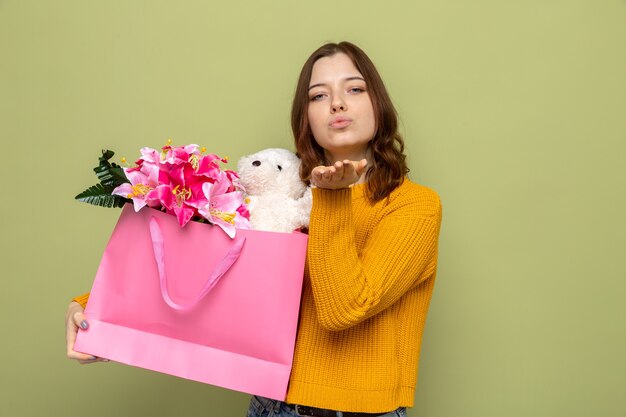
{"x":222,"y":267}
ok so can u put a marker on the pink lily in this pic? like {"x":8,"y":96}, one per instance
{"x":180,"y":154}
{"x":178,"y":187}
{"x":220,"y":206}
{"x":207,"y":166}
{"x":173,"y":199}
{"x":150,"y":155}
{"x":143,"y":179}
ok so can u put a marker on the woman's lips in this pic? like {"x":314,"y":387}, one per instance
{"x":340,"y":122}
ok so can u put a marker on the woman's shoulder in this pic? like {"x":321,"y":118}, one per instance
{"x":422,"y":200}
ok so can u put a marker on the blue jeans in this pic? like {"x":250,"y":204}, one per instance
{"x":264,"y":407}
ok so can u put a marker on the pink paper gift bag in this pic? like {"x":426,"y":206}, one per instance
{"x":194,"y":303}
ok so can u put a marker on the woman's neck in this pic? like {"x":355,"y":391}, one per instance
{"x":332,"y":157}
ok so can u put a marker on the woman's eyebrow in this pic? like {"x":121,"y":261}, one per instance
{"x":346,"y":79}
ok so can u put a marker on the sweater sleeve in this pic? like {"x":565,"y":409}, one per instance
{"x":349,"y":285}
{"x":82,"y":299}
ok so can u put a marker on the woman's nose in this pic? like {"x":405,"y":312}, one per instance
{"x":337,"y":105}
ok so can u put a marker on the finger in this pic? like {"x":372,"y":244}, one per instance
{"x":89,"y":361}
{"x":71,"y":340}
{"x":80,"y":320}
{"x":360,"y":166}
{"x":348,"y":169}
{"x":357,"y":168}
{"x":70,"y":336}
{"x":77,"y":321}
{"x":339,"y":170}
{"x":84,"y":357}
{"x":328,"y":174}
{"x":81,"y":357}
{"x":318,"y":171}
{"x":72,"y":354}
{"x":317,"y":176}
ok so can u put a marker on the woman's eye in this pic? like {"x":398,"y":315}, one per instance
{"x":317,"y":97}
{"x":356,"y":90}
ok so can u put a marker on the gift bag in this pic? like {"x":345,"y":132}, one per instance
{"x":194,"y":303}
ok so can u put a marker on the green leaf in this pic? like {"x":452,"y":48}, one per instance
{"x":100,"y":195}
{"x":109,"y":174}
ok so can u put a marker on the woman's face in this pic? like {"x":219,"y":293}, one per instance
{"x":341,"y":115}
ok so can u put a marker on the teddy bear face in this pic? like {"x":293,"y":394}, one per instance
{"x":271,"y":170}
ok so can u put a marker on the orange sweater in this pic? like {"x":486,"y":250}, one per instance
{"x":368,"y":283}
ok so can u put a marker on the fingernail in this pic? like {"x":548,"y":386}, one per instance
{"x":84,"y":325}
{"x":105,"y":360}
{"x":93,"y":358}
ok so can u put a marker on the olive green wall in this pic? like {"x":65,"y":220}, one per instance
{"x":514,"y":111}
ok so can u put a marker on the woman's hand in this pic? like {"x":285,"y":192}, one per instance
{"x":74,"y":319}
{"x":339,"y":175}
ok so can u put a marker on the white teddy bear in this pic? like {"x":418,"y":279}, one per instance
{"x":278,"y":199}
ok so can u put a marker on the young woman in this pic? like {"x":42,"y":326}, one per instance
{"x":372,"y":252}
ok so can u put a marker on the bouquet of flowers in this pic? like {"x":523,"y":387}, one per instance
{"x":183,"y":181}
